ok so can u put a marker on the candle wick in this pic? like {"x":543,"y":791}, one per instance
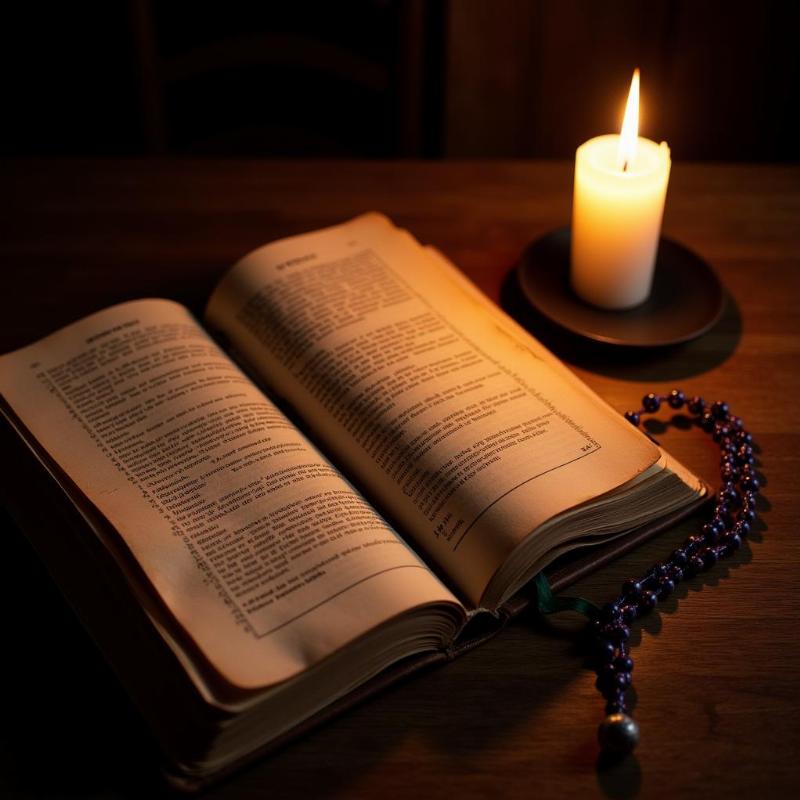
{"x":625,"y":165}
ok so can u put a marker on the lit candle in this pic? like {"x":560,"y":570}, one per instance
{"x":618,"y":203}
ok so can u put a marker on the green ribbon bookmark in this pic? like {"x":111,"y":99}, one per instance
{"x":548,"y":603}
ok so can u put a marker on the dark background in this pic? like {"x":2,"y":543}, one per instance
{"x":397,"y":78}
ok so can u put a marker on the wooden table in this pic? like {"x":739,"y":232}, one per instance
{"x":717,"y":683}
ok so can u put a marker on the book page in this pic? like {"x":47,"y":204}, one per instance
{"x":469,"y":436}
{"x":261,"y":550}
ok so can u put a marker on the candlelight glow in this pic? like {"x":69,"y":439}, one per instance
{"x":620,"y":186}
{"x":630,"y":127}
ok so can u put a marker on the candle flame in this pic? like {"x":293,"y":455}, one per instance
{"x":630,"y":126}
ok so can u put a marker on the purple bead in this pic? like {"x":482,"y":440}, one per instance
{"x":729,"y":472}
{"x":730,"y":496}
{"x":736,"y":422}
{"x":679,"y":557}
{"x":734,"y":541}
{"x":707,"y":422}
{"x":712,"y":530}
{"x":623,"y":680}
{"x":716,"y":528}
{"x":651,"y":403}
{"x":623,"y":664}
{"x":750,"y":483}
{"x":744,"y":455}
{"x":632,"y":417}
{"x":747,"y":515}
{"x":725,"y":521}
{"x":632,"y":588}
{"x":648,"y":601}
{"x":676,"y":398}
{"x":660,"y":570}
{"x":666,"y":587}
{"x":720,"y":409}
{"x":615,"y":706}
{"x":743,"y":437}
{"x":709,"y":559}
{"x":721,"y":432}
{"x":628,"y":613}
{"x":694,"y":566}
{"x":619,"y":633}
{"x":742,"y":528}
{"x":695,"y":541}
{"x":676,"y":574}
{"x":697,"y":405}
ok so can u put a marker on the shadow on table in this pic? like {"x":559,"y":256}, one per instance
{"x":70,"y":730}
{"x":628,"y":363}
{"x":622,"y":778}
{"x":68,"y":727}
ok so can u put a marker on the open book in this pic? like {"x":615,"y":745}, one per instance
{"x":356,"y":462}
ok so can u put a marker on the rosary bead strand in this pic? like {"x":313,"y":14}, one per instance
{"x":734,"y":514}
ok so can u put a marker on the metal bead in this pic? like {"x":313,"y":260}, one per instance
{"x":721,"y":536}
{"x":618,"y":734}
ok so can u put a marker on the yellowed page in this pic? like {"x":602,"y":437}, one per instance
{"x":262,"y":551}
{"x":470,"y":438}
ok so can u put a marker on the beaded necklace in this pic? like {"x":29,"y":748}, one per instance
{"x":733,"y":516}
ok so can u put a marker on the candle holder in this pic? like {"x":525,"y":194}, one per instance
{"x":686,"y":300}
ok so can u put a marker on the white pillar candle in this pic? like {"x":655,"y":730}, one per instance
{"x":618,"y":202}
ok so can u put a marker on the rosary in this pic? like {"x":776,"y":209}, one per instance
{"x":734,"y":513}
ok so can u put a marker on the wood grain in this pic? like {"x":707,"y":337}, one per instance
{"x":716,"y":683}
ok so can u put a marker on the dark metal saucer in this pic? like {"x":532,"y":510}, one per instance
{"x":686,"y":301}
